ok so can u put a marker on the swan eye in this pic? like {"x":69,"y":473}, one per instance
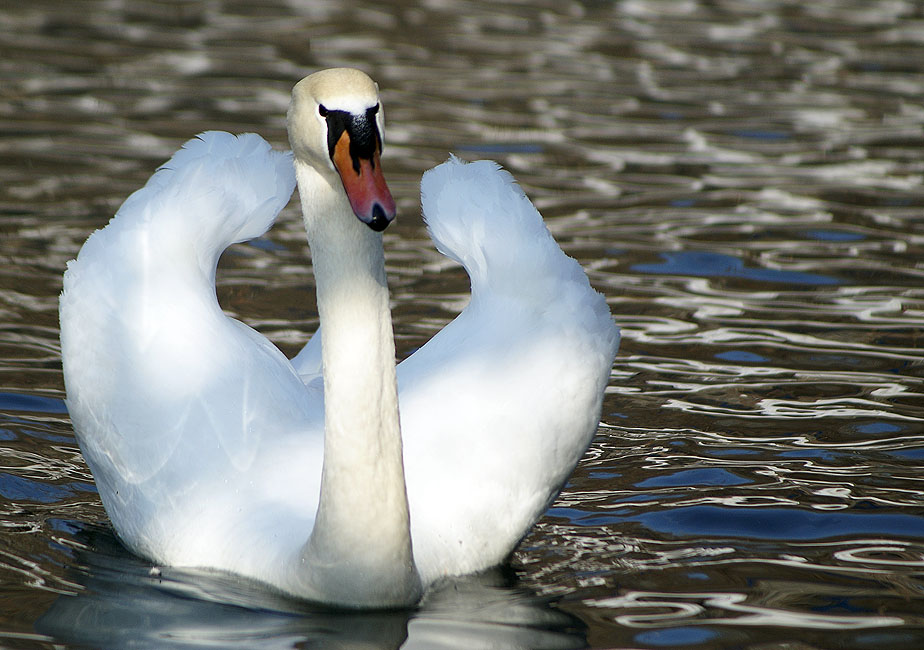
{"x":322,"y":110}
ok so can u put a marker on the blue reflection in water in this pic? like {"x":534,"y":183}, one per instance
{"x":703,"y":476}
{"x":676,"y":636}
{"x":761,"y":134}
{"x":910,"y":454}
{"x":17,"y":488}
{"x":716,"y":265}
{"x":821,"y":454}
{"x":33,"y":403}
{"x":640,"y":498}
{"x":888,"y":639}
{"x":775,"y":523}
{"x":741,"y":356}
{"x":835,"y":235}
{"x":878,"y":427}
{"x":840,"y":605}
{"x":754,"y":522}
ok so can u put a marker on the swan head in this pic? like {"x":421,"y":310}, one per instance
{"x":335,"y":123}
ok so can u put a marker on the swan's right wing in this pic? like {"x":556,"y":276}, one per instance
{"x":499,"y":406}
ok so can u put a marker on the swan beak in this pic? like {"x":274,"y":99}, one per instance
{"x":364,"y":184}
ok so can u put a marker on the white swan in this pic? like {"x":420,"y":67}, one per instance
{"x":209,"y":450}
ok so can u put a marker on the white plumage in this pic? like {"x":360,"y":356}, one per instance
{"x":206,"y":445}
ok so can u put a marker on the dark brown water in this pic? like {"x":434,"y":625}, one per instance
{"x":744,"y":181}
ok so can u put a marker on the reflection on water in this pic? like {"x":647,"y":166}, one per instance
{"x":714,"y":265}
{"x":123,"y":603}
{"x":742,"y":180}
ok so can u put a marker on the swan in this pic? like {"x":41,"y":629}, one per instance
{"x":211,"y":449}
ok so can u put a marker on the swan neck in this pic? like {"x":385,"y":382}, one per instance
{"x":360,"y":548}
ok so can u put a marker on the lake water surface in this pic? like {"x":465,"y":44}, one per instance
{"x":744,"y":181}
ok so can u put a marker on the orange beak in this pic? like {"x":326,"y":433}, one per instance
{"x":364,"y":184}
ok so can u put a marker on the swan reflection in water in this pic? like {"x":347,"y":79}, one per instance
{"x":127,"y":604}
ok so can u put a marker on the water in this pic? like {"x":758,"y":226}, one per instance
{"x":742,"y":180}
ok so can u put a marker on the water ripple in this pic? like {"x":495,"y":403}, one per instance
{"x":702,"y":608}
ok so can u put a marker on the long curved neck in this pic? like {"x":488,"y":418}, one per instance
{"x":359,"y":552}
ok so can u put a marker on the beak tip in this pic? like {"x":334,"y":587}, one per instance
{"x":380,"y":219}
